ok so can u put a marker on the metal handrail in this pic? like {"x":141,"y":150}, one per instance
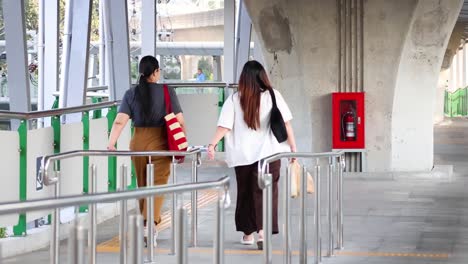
{"x":56,"y":112}
{"x":176,"y":85}
{"x":197,"y":84}
{"x":44,"y":177}
{"x":72,"y":200}
{"x":123,"y":196}
{"x":265,"y":183}
{"x":46,"y":160}
{"x":97,"y":88}
{"x":82,"y":108}
{"x":263,"y":163}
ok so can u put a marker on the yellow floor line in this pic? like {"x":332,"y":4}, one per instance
{"x":208,"y":197}
{"x":205,"y":198}
{"x":310,"y":253}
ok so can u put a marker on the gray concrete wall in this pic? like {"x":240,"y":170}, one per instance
{"x":404,"y":42}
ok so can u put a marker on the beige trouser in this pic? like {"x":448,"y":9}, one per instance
{"x":151,"y":139}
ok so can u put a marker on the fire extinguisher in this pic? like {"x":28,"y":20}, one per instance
{"x":348,"y":124}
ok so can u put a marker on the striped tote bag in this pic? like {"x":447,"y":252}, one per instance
{"x":176,"y":139}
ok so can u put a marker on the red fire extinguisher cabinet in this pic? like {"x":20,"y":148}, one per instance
{"x":348,"y":121}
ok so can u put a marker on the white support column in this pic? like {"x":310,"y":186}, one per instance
{"x":102,"y":45}
{"x":116,"y":26}
{"x":465,"y":61}
{"x":17,"y":60}
{"x":92,"y":70}
{"x":229,"y":38}
{"x":453,"y":74}
{"x":459,"y":68}
{"x":64,"y":71}
{"x":40,"y":59}
{"x":75,"y":95}
{"x":257,"y":50}
{"x":217,"y":76}
{"x":243,"y":39}
{"x":51,"y":52}
{"x":148,"y":28}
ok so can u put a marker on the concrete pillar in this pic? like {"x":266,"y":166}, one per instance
{"x":421,"y":59}
{"x":404,"y":43}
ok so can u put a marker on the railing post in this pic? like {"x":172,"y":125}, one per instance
{"x":219,"y":236}
{"x":182,"y":256}
{"x":174,"y":207}
{"x":267,"y":216}
{"x":340,"y":202}
{"x":135,"y":228}
{"x":330,"y":206}
{"x":123,"y":216}
{"x":111,"y":160}
{"x":150,"y":213}
{"x":303,"y":218}
{"x":77,"y":243}
{"x":318,"y":237}
{"x":55,"y":240}
{"x":287,"y":217}
{"x":195,"y":201}
{"x":92,"y":216}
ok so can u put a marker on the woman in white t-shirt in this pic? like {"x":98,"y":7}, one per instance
{"x":245,"y":124}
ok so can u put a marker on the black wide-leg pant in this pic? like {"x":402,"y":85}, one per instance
{"x":249,"y":206}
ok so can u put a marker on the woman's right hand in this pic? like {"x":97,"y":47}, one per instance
{"x":211,"y":151}
{"x":293,"y":149}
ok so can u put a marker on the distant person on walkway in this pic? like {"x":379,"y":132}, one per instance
{"x":245,"y":124}
{"x":200,"y":75}
{"x":144,"y":104}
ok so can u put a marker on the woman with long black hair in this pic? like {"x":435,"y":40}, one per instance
{"x":144,"y":104}
{"x":245,"y":124}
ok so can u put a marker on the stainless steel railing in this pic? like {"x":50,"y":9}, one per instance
{"x":55,"y":112}
{"x":79,"y":233}
{"x":83,"y":108}
{"x":48,"y":179}
{"x":265,"y":183}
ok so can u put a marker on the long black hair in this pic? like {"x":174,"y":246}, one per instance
{"x":252,"y":82}
{"x":148,"y":64}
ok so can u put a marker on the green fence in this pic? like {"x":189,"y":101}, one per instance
{"x":456,"y":103}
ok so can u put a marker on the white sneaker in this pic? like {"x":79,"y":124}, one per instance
{"x":155,"y":235}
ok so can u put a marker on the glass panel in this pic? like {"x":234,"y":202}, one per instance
{"x":348,"y":120}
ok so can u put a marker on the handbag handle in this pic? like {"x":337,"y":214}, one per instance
{"x":167,"y":99}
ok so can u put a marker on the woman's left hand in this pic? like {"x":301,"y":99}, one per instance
{"x":111,"y":148}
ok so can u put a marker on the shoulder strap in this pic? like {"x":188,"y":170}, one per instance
{"x":167,"y":99}
{"x":273,"y":98}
